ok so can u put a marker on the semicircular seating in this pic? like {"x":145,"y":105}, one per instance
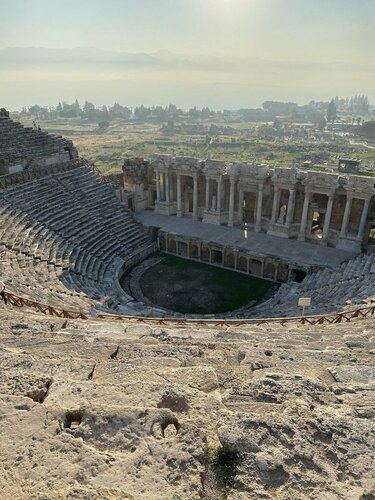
{"x":65,"y":237}
{"x":350,"y":285}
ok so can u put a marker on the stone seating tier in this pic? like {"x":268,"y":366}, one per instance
{"x":330,"y":290}
{"x":65,"y":237}
{"x":19,"y":144}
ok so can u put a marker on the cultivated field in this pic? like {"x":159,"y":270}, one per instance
{"x":107,"y":148}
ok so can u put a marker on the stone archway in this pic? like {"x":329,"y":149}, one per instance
{"x":230,"y":260}
{"x":205,"y":254}
{"x":172,"y":247}
{"x":242,"y":263}
{"x":216,"y":257}
{"x":182,"y":248}
{"x":283,"y":272}
{"x":255,"y":267}
{"x":249,"y":207}
{"x":269,"y":270}
{"x":194,"y":251}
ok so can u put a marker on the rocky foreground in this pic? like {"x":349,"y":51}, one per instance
{"x":114,"y":410}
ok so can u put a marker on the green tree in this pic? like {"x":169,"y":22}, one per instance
{"x":322,"y":124}
{"x":331,"y":111}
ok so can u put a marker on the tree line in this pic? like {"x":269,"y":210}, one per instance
{"x":313,"y":111}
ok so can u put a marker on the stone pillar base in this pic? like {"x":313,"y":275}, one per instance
{"x":165,"y":208}
{"x":280,"y":230}
{"x":349,"y":243}
{"x":213,"y":217}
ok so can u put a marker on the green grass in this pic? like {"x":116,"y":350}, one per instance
{"x":194,"y":288}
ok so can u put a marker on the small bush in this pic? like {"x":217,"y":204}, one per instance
{"x":224,"y":461}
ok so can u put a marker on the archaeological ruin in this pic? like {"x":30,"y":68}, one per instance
{"x":325,"y":208}
{"x":139,"y":401}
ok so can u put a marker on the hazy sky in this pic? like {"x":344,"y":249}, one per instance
{"x":316,"y":31}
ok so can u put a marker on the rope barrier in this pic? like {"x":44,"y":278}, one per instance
{"x":330,"y":318}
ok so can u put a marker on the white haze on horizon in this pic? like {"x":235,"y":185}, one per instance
{"x":46,"y":76}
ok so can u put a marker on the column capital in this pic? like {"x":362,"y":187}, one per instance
{"x":367,"y":198}
{"x":358,"y":196}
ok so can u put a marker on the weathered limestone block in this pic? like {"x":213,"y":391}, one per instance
{"x":353,"y":374}
{"x":202,"y":378}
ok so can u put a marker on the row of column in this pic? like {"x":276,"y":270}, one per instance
{"x":195,"y":197}
{"x":327,"y":218}
{"x":213,"y":202}
{"x":328,"y":214}
{"x":276,"y":205}
{"x":163,"y":190}
{"x":362,"y":222}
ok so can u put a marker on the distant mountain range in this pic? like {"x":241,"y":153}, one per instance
{"x":38,"y":57}
{"x":31,"y":75}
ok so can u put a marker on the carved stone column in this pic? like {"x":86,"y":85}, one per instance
{"x":345,"y":220}
{"x":195,"y":199}
{"x":240,"y":206}
{"x":158,"y":186}
{"x":231,"y":202}
{"x":208,"y":204}
{"x":162,"y":186}
{"x":327,"y":219}
{"x":218,"y":198}
{"x":302,"y":235}
{"x":291,"y":205}
{"x":276,"y":204}
{"x":276,"y":271}
{"x":179,"y":200}
{"x":167,"y":193}
{"x":362,"y":223}
{"x":258,"y":221}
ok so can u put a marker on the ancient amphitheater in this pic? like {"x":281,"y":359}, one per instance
{"x":147,"y":403}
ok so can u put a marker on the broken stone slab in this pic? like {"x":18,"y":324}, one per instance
{"x":352,"y":374}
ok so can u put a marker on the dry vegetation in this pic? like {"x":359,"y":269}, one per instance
{"x":108,"y":148}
